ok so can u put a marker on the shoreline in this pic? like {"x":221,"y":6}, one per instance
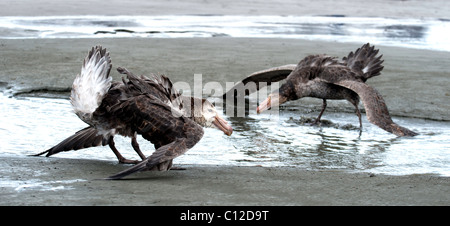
{"x":378,"y":8}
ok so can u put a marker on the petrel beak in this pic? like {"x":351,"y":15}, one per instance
{"x":221,"y":124}
{"x":266,"y":104}
{"x":273,"y":100}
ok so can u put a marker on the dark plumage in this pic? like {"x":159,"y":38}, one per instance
{"x":325,"y":77}
{"x":147,"y":106}
{"x":96,"y":59}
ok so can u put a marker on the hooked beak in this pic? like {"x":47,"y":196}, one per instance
{"x":221,"y":124}
{"x":264,"y":105}
{"x":273,"y":100}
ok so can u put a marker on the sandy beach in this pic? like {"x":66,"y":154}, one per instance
{"x":54,"y":181}
{"x":414,"y":84}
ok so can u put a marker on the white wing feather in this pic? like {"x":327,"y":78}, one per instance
{"x":91,"y":85}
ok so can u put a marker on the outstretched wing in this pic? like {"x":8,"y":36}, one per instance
{"x":376,"y":109}
{"x":85,"y":138}
{"x":171,"y":134}
{"x":261,"y":79}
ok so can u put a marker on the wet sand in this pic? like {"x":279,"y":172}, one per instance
{"x":54,"y":181}
{"x":414,"y":84}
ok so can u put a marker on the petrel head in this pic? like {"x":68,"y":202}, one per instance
{"x":205,"y":114}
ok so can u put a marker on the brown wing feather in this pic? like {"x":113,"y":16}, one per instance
{"x":365,"y":61}
{"x":161,"y":158}
{"x":171,"y":135}
{"x":85,"y":138}
{"x":267,"y":76}
{"x":376,"y":109}
{"x":159,"y":86}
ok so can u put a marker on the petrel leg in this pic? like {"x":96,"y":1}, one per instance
{"x":358,"y":113}
{"x":324,"y":105}
{"x":135,"y":145}
{"x":119,"y":156}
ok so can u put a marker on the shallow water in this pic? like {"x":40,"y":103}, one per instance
{"x":29,"y":125}
{"x":412,"y":33}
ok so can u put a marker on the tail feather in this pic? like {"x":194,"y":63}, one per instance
{"x":365,"y":60}
{"x":91,"y":85}
{"x":85,"y":138}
